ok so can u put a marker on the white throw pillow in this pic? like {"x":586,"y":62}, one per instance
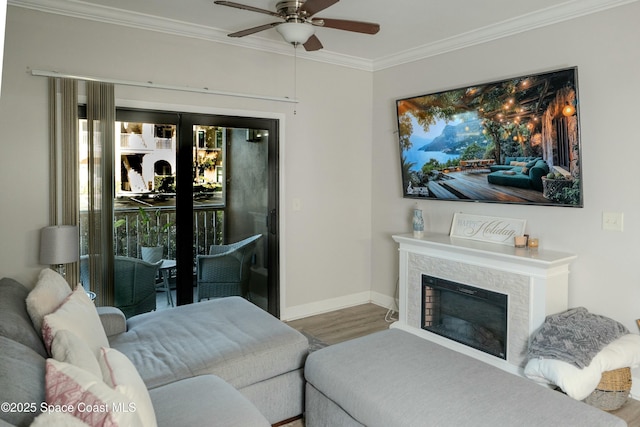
{"x":75,"y":391}
{"x":78,"y":315}
{"x":49,"y":292}
{"x":119,"y":373}
{"x":67,"y":347}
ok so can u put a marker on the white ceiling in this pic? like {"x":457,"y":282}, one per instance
{"x":410,"y":29}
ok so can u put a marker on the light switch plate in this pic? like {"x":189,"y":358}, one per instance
{"x":612,"y":221}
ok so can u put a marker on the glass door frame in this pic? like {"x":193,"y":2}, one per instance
{"x":184,"y":200}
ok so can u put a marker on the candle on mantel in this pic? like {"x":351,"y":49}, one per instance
{"x":520,"y":241}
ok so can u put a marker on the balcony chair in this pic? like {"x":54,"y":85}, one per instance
{"x":225,"y":271}
{"x":134,"y":283}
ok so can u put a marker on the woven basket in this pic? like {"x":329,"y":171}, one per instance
{"x":613,"y":390}
{"x":550,"y":187}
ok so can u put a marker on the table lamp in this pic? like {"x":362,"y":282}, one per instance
{"x":59,"y":245}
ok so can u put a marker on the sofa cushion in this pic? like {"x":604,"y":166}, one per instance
{"x":228,"y":337}
{"x":87,"y":396}
{"x":113,"y":320}
{"x":119,"y":373}
{"x":536,"y":173}
{"x":227,"y":407}
{"x":50,"y":291}
{"x":67,"y":347}
{"x":517,"y":179}
{"x":21,"y":380}
{"x":57,"y":419}
{"x":15,"y":322}
{"x":78,"y":315}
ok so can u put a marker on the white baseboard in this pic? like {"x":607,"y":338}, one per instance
{"x":324,"y":306}
{"x":384,"y":301}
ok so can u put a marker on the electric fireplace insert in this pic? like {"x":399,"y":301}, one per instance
{"x":469,"y":315}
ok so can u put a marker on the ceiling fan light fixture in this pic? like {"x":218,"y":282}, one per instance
{"x":295,"y":32}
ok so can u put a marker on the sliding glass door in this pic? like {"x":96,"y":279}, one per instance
{"x":185,"y":183}
{"x":233,"y":198}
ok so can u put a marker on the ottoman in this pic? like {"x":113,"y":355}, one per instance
{"x":393,"y":378}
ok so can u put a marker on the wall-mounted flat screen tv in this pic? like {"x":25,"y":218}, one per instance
{"x":510,"y":141}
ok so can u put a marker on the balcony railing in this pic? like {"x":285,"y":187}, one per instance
{"x":208,"y":229}
{"x":164,"y":143}
{"x":133,"y":141}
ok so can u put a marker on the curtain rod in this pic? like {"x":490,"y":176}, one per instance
{"x":45,"y":73}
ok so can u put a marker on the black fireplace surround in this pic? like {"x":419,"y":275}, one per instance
{"x":469,"y":315}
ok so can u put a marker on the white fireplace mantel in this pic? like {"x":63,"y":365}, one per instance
{"x":536,"y":282}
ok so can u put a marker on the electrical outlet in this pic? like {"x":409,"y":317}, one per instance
{"x":612,"y":221}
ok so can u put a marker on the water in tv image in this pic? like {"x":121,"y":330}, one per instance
{"x":511,"y":141}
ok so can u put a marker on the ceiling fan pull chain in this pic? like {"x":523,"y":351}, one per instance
{"x":295,"y":78}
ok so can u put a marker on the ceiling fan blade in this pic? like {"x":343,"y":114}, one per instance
{"x":312,"y":44}
{"x":254,"y":30}
{"x":311,"y":7}
{"x":245,"y":7}
{"x":342,"y":24}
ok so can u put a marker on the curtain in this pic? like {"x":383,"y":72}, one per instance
{"x":63,"y":159}
{"x":100,"y":143}
{"x":96,"y":232}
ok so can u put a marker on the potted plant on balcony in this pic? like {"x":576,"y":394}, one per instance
{"x":149,"y":232}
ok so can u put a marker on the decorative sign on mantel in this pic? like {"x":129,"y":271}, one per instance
{"x":487,"y":228}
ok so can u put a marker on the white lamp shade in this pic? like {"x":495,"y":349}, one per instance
{"x":59,"y":244}
{"x":296,"y":32}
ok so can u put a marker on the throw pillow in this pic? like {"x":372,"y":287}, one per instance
{"x":78,"y":315}
{"x":120,"y":374}
{"x":533,"y":162}
{"x":50,"y":291}
{"x":77,"y":392}
{"x":57,"y":419}
{"x":67,"y":347}
{"x":525,"y":170}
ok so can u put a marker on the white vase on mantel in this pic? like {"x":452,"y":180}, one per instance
{"x":418,"y":223}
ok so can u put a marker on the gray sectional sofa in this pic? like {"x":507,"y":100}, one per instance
{"x":222,"y":362}
{"x":395,"y":379}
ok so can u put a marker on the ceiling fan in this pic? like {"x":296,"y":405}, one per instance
{"x":298,"y":25}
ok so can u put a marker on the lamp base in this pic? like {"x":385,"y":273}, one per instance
{"x":61,"y":269}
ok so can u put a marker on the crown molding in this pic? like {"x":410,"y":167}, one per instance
{"x":542,"y":18}
{"x":105,"y":14}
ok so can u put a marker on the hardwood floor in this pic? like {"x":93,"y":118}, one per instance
{"x":342,"y":325}
{"x":353,"y":322}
